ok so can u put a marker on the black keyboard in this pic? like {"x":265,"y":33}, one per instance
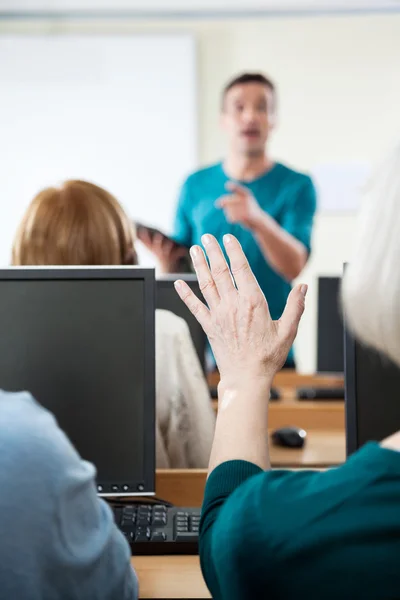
{"x":312,"y":393}
{"x":157,"y":529}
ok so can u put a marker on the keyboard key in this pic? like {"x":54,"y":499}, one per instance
{"x":128,"y":520}
{"x":159,"y":521}
{"x":158,"y":536}
{"x":128,"y":516}
{"x":129,"y":510}
{"x":142,"y":535}
{"x":160,"y":508}
{"x":141,"y":513}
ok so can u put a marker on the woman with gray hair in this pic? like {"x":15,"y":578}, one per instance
{"x":282,"y":534}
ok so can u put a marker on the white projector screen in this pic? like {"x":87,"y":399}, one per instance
{"x":119,"y":111}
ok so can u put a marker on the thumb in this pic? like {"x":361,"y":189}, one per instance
{"x":236,"y":188}
{"x":289,"y":321}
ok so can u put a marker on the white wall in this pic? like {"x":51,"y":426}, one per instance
{"x":339,"y":95}
{"x":197,"y":6}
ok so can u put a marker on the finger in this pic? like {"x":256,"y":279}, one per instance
{"x":162,"y":247}
{"x":219,"y":267}
{"x":226,"y":201}
{"x":196,"y":306}
{"x":204,"y":277}
{"x":145,"y":238}
{"x":240,"y":268}
{"x":178,"y":252}
{"x":236,"y":188}
{"x":289,"y":322}
{"x":158,"y":240}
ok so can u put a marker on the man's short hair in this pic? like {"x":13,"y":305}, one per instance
{"x":249,"y":78}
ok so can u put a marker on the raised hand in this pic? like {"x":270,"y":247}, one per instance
{"x":246,"y":342}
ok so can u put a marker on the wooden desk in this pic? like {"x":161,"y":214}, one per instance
{"x":185,"y":487}
{"x":309,"y":414}
{"x":175,"y":577}
{"x":289,"y":378}
{"x":322,"y":449}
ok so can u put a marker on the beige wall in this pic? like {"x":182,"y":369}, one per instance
{"x":339,"y":89}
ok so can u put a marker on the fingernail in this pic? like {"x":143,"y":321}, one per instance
{"x":206,"y":239}
{"x":178,"y":286}
{"x":227,"y":239}
{"x":304,"y":289}
{"x":194,"y":251}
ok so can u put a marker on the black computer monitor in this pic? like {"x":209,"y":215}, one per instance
{"x":168,"y":299}
{"x":81,"y":340}
{"x":372,"y":387}
{"x":330,"y":355}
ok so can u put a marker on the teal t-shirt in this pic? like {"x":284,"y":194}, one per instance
{"x":283,"y":535}
{"x":286,"y":195}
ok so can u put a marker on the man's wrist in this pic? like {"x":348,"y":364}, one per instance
{"x":258,"y":221}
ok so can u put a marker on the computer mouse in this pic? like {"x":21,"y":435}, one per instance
{"x":289,"y":437}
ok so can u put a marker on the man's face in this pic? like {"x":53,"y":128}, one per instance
{"x":248,"y":116}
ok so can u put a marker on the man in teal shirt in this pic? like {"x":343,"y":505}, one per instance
{"x":266,"y":205}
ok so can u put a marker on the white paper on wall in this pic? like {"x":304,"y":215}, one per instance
{"x":339,"y":186}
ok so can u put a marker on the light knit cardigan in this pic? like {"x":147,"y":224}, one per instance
{"x":185,"y":418}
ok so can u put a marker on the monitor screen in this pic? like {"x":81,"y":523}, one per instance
{"x":372,"y":384}
{"x":82,"y":342}
{"x":168,"y":299}
{"x":330,"y":355}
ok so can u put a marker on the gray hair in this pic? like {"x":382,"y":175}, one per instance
{"x":371,"y":285}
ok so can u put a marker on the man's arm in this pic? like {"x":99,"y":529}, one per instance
{"x":282,"y":250}
{"x":286,"y":247}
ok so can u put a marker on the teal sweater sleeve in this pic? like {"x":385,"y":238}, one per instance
{"x":220,"y":485}
{"x":298,"y":218}
{"x":305,"y":534}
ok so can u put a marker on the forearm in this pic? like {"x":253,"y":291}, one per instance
{"x":241,"y":431}
{"x":282,"y":250}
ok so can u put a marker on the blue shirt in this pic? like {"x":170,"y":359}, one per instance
{"x":58,"y":539}
{"x":286,"y":195}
